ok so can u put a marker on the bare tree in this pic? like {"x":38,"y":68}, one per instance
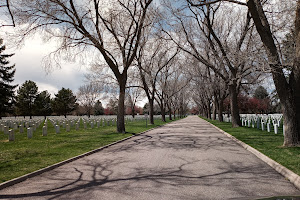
{"x":176,"y":82}
{"x":171,"y":80}
{"x":111,"y":29}
{"x":134,"y":94}
{"x":87,"y":96}
{"x":153,"y":56}
{"x":202,"y":89}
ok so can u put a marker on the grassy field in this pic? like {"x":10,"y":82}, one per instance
{"x":267,"y":143}
{"x":27,"y":155}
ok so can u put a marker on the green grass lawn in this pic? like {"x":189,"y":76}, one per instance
{"x":27,"y":155}
{"x":267,"y":143}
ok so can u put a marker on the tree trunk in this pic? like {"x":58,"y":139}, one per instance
{"x":163,"y":113}
{"x":296,"y":71}
{"x":151,"y":111}
{"x":291,"y":107}
{"x":220,"y":110}
{"x":214,"y":110}
{"x":121,"y":108}
{"x":288,"y":92}
{"x":208,"y":110}
{"x":132,"y":112}
{"x":234,"y":108}
{"x":170,"y":112}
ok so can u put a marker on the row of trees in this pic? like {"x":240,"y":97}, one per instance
{"x":29,"y":101}
{"x":273,"y":53}
{"x":260,"y":102}
{"x":239,"y":48}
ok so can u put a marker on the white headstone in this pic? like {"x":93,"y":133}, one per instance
{"x":44,"y":130}
{"x":64,"y":124}
{"x":21,"y":128}
{"x":92,"y":124}
{"x":68,"y":128}
{"x":11,"y":136}
{"x":15,"y":126}
{"x":29,"y":132}
{"x":57,"y":129}
{"x":263,"y":126}
{"x":276,"y":128}
{"x":268,"y":127}
{"x":6,"y":130}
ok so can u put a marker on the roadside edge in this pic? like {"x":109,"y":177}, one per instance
{"x":288,"y":174}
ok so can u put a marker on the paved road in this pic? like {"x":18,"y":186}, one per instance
{"x":187,"y":159}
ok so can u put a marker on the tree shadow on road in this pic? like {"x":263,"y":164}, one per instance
{"x":101,"y":177}
{"x":125,"y":176}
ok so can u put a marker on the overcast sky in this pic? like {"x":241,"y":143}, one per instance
{"x":29,"y":66}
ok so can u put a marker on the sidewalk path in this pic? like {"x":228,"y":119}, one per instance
{"x":187,"y":159}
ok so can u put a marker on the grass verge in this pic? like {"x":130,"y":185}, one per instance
{"x":267,"y":143}
{"x":27,"y":155}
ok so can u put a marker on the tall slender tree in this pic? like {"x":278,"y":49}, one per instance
{"x":6,"y":78}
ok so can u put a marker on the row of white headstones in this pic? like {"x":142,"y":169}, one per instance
{"x":87,"y":123}
{"x":263,"y":122}
{"x":9,"y":127}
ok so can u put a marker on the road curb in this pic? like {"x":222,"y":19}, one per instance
{"x":51,"y":167}
{"x":288,"y":174}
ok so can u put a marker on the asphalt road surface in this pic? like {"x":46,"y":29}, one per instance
{"x":187,"y":159}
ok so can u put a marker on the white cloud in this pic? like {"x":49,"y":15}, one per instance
{"x":29,"y":66}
